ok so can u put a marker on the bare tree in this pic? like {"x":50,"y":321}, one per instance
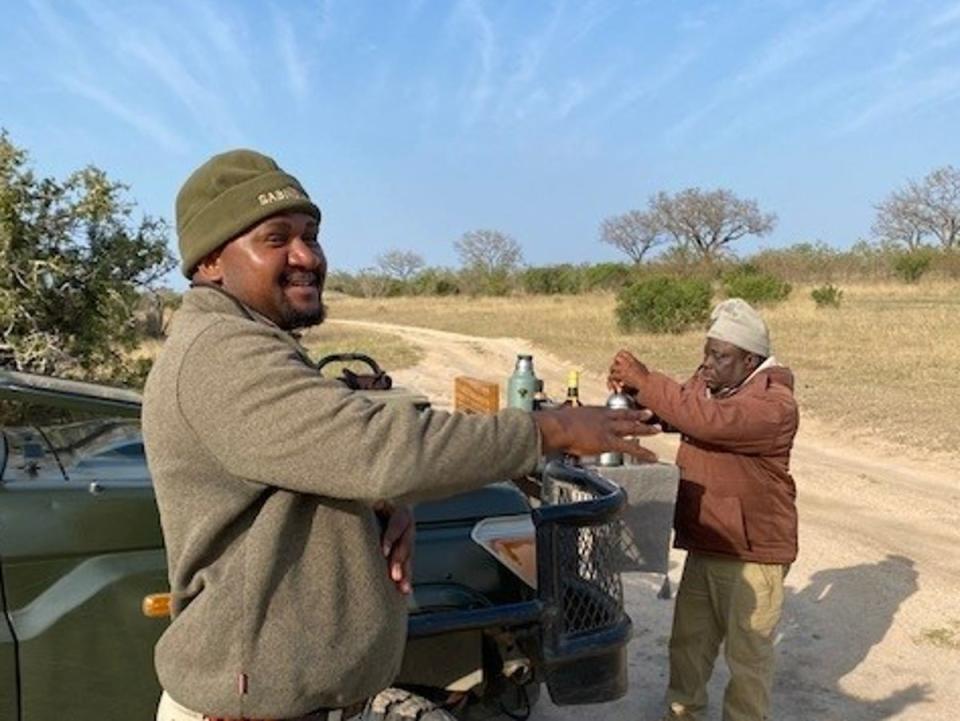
{"x":635,"y":233}
{"x":400,"y":264}
{"x":708,"y":221}
{"x":488,"y":251}
{"x":898,"y":222}
{"x":928,"y":208}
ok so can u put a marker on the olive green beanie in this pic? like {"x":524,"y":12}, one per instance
{"x":228,"y":194}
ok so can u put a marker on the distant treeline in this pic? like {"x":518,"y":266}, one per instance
{"x":802,"y":263}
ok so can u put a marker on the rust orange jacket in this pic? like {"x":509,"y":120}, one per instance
{"x":736,"y":496}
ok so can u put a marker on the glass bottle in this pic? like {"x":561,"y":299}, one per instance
{"x":573,"y":389}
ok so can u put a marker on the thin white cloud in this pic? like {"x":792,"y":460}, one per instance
{"x":413,"y":9}
{"x":292,"y":56}
{"x":224,"y":36}
{"x":480,"y":89}
{"x":204,"y":105}
{"x":576,"y":93}
{"x":142,"y":121}
{"x":804,"y":38}
{"x":523,"y":81}
{"x":591,"y":15}
{"x":917,"y":95}
{"x":656,"y":79}
{"x":948,"y":17}
{"x":58,"y":31}
{"x":139,"y":45}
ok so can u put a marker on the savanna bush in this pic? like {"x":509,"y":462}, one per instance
{"x":605,"y":276}
{"x":948,"y":263}
{"x":551,"y":280}
{"x":827,"y":296}
{"x":910,"y":266}
{"x":798,"y":263}
{"x":481,"y":282}
{"x":755,"y":286}
{"x":435,"y":281}
{"x":663,"y":304}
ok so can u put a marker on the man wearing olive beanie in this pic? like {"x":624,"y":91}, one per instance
{"x":228,"y":194}
{"x":736,"y":509}
{"x":287,"y":598}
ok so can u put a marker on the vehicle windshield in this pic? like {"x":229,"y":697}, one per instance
{"x":107,"y":449}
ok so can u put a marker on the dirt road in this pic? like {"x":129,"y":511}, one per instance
{"x":871,"y":626}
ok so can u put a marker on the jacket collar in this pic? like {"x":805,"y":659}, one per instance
{"x":207,"y":298}
{"x":213,"y":298}
{"x":767,"y":365}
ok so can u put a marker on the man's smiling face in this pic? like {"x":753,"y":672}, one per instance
{"x":277,"y":268}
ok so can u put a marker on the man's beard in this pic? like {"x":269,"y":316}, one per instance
{"x":293,"y":318}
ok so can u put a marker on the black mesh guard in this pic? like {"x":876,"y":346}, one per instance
{"x":589,"y":588}
{"x":585,"y":630}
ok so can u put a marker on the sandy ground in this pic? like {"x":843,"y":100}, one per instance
{"x":871,"y":625}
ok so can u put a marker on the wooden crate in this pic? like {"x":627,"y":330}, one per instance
{"x":473,"y":395}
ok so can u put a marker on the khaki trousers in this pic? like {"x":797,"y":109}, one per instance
{"x":734,"y":602}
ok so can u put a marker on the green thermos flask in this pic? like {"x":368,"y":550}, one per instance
{"x":522,"y":385}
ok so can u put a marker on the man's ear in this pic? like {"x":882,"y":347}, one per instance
{"x":753,"y":361}
{"x":209,"y":269}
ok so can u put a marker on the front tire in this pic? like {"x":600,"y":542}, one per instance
{"x":395,"y":704}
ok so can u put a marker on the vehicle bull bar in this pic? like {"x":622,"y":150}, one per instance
{"x":579,"y":606}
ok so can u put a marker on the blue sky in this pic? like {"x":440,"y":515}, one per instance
{"x":412,"y":122}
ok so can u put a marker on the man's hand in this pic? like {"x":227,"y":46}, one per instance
{"x":397,"y":543}
{"x":590,"y":430}
{"x":626,"y":373}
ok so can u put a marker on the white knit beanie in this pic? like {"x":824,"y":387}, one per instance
{"x":735,"y":321}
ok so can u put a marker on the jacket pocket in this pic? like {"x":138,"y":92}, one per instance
{"x":721,"y":517}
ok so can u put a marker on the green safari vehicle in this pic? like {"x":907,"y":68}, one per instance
{"x":513,"y":589}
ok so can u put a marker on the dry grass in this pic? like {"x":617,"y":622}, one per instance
{"x":943,"y":637}
{"x":884,"y":366}
{"x":391,"y":352}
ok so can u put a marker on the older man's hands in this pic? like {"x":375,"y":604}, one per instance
{"x":626,"y":373}
{"x":591,"y":430}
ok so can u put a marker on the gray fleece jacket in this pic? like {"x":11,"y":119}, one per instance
{"x":265,"y":474}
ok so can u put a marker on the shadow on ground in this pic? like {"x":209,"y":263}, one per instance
{"x":859,"y":603}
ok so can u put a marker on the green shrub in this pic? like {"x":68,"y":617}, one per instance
{"x":435,"y":281}
{"x":663,"y":304}
{"x":910,"y":266}
{"x":827,"y":296}
{"x":482,"y":282}
{"x":605,"y":276}
{"x":755,"y":286}
{"x":551,"y":280}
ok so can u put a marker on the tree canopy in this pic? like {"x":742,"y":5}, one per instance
{"x":400,"y":264}
{"x":708,"y":221}
{"x":635,"y":233}
{"x":701,"y":223}
{"x":925,"y":209}
{"x":73,"y":263}
{"x":488,"y":251}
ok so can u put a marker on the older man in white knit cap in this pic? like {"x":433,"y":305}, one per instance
{"x":736,"y":512}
